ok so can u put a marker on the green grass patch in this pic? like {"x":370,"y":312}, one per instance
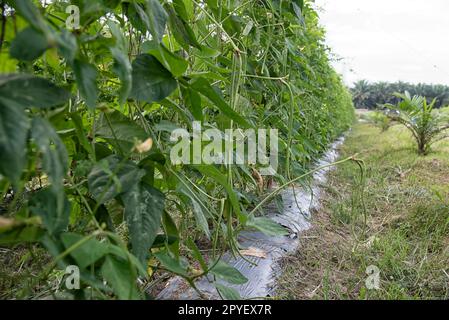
{"x":405,"y":235}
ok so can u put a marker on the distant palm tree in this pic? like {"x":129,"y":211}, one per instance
{"x":371,"y":95}
{"x":361,"y":92}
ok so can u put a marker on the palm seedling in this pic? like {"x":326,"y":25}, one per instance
{"x":418,"y":116}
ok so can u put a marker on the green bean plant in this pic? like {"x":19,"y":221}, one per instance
{"x":90,"y":91}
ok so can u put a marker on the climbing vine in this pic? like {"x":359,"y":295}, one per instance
{"x":90,"y":91}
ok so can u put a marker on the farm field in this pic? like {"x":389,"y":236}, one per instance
{"x":216,"y":150}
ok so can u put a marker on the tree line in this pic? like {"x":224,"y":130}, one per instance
{"x":367,"y":95}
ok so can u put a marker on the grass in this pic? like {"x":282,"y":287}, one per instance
{"x":406,"y":234}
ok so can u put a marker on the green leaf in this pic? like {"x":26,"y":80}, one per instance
{"x":86,"y":254}
{"x":170,"y":263}
{"x":120,"y":131}
{"x":53,"y":208}
{"x":122,"y":66}
{"x":144,"y":206}
{"x":267,"y":226}
{"x":171,"y":230}
{"x":86,"y":78}
{"x":181,"y":10}
{"x":216,"y":175}
{"x":183,"y":34}
{"x":80,"y":133}
{"x":196,"y":253}
{"x":227,"y":273}
{"x":154,"y":18}
{"x":125,"y":255}
{"x":172,"y":62}
{"x":112,"y":176}
{"x":7,"y":63}
{"x":297,"y":8}
{"x":14,"y":126}
{"x":54,"y":153}
{"x":121,"y":278}
{"x":29,"y":45}
{"x":228,"y":293}
{"x":198,"y":202}
{"x":202,"y":86}
{"x":31,"y":14}
{"x":193,"y":102}
{"x":67,"y":45}
{"x":151,"y":81}
{"x":30,"y":91}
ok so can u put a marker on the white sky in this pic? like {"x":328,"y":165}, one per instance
{"x":389,"y":40}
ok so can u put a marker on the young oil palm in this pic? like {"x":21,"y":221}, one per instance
{"x":417,"y":115}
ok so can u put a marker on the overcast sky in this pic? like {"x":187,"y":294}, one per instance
{"x":389,"y":40}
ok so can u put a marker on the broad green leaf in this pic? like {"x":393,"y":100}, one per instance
{"x":193,"y":102}
{"x":227,"y":293}
{"x":120,"y":131}
{"x":203,"y":86}
{"x":267,"y":226}
{"x":120,"y":276}
{"x":53,"y":150}
{"x":154,"y":18}
{"x":183,"y":34}
{"x":157,"y":18}
{"x":14,"y":126}
{"x":170,"y":263}
{"x":181,"y":10}
{"x":113,"y":176}
{"x":151,"y":81}
{"x":227,"y":273}
{"x":171,"y":61}
{"x":29,"y":45}
{"x":124,"y":254}
{"x":31,"y":91}
{"x":86,"y":79}
{"x":161,"y":240}
{"x":53,"y":208}
{"x":144,"y":206}
{"x":86,"y":254}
